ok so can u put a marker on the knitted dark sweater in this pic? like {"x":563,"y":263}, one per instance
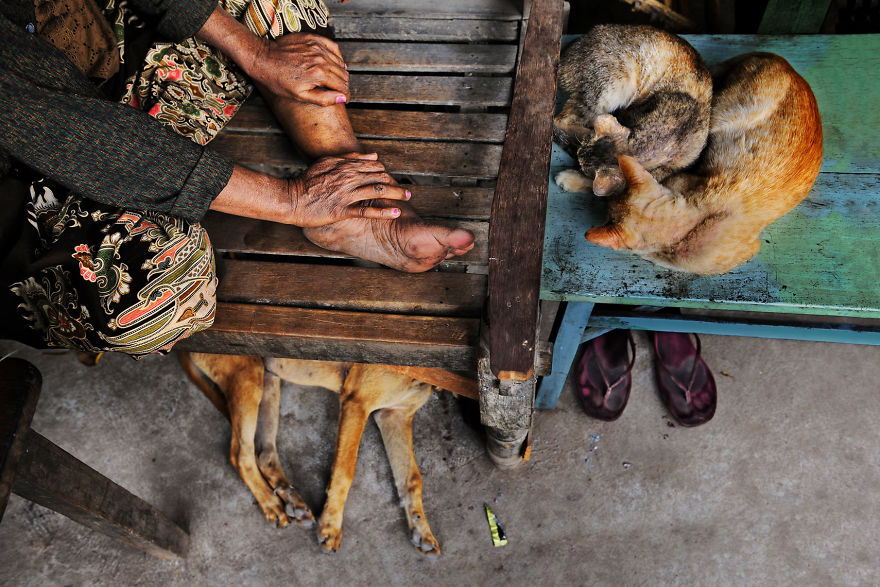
{"x":56,"y":121}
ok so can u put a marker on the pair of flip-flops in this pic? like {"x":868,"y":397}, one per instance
{"x":604,"y":376}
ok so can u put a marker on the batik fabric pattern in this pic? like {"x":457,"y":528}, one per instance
{"x":138,"y":282}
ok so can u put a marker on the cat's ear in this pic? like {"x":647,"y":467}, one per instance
{"x":605,"y":236}
{"x":637,"y":177}
{"x":606,"y":125}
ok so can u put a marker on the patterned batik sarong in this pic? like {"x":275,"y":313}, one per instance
{"x":104,"y":279}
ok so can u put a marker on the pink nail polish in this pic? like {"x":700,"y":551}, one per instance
{"x":340,"y":99}
{"x":408,"y":195}
{"x":396,"y":211}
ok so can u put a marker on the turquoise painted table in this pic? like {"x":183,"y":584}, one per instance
{"x":822,"y":260}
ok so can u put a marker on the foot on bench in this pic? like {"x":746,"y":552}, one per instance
{"x":407,"y":243}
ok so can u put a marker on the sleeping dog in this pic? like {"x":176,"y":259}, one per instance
{"x":248,"y":391}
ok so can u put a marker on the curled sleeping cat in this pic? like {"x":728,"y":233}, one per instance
{"x":633,"y":90}
{"x":763,"y":155}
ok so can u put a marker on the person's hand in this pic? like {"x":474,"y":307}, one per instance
{"x":337,"y":188}
{"x":303,"y":66}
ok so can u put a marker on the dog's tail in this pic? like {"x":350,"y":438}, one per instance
{"x":204,"y":383}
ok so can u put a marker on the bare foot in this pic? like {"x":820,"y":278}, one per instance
{"x":407,"y":243}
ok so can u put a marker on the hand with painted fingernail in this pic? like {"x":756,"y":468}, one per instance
{"x":303,"y":66}
{"x":337,"y":188}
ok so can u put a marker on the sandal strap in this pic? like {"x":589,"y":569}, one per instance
{"x":693,"y":375}
{"x":632,"y":353}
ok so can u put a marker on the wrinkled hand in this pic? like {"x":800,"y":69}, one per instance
{"x":337,"y":188}
{"x":303,"y":66}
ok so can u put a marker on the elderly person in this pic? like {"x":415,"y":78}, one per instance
{"x":106,"y":173}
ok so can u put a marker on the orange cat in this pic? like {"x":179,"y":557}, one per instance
{"x":762,"y":157}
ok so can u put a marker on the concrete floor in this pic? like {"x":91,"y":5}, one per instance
{"x":780,"y":488}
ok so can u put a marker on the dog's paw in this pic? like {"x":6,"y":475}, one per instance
{"x":425,"y":543}
{"x":274,"y":512}
{"x":295,"y":507}
{"x":571,"y":180}
{"x":329,"y":538}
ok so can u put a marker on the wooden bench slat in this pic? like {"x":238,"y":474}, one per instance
{"x":430,"y":90}
{"x":477,"y":160}
{"x":428,"y":57}
{"x":352,"y":288}
{"x":246,"y":235}
{"x":250,"y":329}
{"x":518,"y":209}
{"x":431,"y":9}
{"x":368,"y":26}
{"x":255,"y":117}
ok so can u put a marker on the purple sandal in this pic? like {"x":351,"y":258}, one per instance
{"x":604,"y":374}
{"x":685,"y":382}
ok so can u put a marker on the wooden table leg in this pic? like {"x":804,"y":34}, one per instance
{"x":568,"y":339}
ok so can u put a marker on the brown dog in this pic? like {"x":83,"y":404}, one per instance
{"x":251,"y":395}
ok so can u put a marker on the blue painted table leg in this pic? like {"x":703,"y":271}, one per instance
{"x":577,"y":314}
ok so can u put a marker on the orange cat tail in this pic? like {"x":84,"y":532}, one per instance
{"x":605,"y":236}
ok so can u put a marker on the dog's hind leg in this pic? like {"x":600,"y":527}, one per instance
{"x":267,"y":452}
{"x":395,"y":424}
{"x":352,"y":419}
{"x":244,"y":390}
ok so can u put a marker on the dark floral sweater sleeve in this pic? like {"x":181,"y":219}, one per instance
{"x":178,"y":19}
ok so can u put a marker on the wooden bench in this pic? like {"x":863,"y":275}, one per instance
{"x":435,"y":91}
{"x":817,"y":276}
{"x":36,"y":469}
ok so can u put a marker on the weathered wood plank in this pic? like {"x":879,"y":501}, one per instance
{"x":20,"y":384}
{"x":430,"y":90}
{"x":51,"y":477}
{"x":448,"y":9}
{"x":255,"y":117}
{"x":518,"y":210}
{"x":368,"y":26}
{"x":785,"y":17}
{"x":478,"y":160}
{"x":428,"y":57}
{"x":819,"y":259}
{"x":352,"y":288}
{"x":249,"y":329}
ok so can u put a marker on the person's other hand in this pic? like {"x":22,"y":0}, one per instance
{"x":337,"y":188}
{"x":303,"y":66}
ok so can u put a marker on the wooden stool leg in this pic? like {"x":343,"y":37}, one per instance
{"x":53,"y":478}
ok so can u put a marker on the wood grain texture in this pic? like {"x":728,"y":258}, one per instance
{"x":243,"y":329}
{"x":518,"y":210}
{"x":820,"y":259}
{"x":431,"y":9}
{"x":352,"y":288}
{"x":20,"y":384}
{"x":245,"y":235}
{"x":785,"y":17}
{"x":403,"y":28}
{"x":255,"y":117}
{"x":428,"y":57}
{"x":430,"y":90}
{"x":435,"y":159}
{"x":51,"y":477}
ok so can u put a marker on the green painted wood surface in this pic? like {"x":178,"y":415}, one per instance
{"x":783,"y":17}
{"x":823,"y":258}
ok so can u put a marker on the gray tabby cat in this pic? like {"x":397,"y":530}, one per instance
{"x":634,"y":90}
